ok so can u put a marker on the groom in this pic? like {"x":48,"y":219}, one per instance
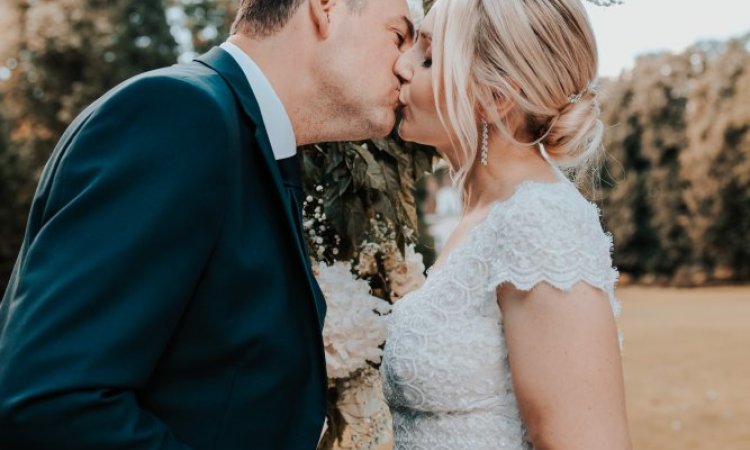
{"x":163,"y":297}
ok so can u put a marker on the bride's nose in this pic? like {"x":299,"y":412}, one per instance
{"x":403,"y":68}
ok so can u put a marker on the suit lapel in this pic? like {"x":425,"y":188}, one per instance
{"x":223,"y":63}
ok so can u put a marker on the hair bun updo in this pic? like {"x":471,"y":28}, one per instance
{"x":573,"y":138}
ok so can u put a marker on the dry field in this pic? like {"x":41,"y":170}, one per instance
{"x":687,"y":367}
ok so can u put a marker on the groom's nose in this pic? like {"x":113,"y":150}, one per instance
{"x":403,"y":69}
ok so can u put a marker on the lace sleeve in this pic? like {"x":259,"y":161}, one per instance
{"x":553,"y":235}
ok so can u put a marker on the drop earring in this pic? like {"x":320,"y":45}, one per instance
{"x":485,"y":147}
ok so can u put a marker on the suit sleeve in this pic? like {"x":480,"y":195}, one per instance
{"x":132,"y":213}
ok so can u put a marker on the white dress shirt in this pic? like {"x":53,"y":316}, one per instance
{"x":278,"y":124}
{"x":275,"y":117}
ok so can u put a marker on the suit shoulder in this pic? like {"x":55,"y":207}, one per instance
{"x":175,"y":111}
{"x":182,"y":84}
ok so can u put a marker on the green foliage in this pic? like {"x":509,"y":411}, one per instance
{"x":364,"y":181}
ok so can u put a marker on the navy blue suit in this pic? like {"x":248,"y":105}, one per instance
{"x":163,"y":298}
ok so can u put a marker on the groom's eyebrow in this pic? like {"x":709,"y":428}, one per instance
{"x":409,"y":26}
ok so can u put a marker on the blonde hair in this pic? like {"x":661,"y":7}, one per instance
{"x":540,"y":54}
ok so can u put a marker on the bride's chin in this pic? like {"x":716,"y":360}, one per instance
{"x":403,"y":131}
{"x":406,"y":133}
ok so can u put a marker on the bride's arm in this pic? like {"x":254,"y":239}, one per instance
{"x":566,"y":367}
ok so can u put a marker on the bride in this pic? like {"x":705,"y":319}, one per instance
{"x":512,"y":341}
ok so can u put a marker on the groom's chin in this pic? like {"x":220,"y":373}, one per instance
{"x":384,"y":125}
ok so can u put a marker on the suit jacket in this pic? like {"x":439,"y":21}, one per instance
{"x":163,"y":298}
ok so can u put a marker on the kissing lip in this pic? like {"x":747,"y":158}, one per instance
{"x":402,"y":108}
{"x":402,"y":98}
{"x":402,"y":111}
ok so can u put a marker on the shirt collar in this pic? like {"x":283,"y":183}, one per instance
{"x":277,"y":122}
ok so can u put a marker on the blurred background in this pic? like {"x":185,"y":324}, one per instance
{"x":674,"y":191}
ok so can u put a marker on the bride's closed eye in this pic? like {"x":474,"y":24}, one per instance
{"x":427,"y":62}
{"x":424,"y":40}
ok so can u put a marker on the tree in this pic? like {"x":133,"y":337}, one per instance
{"x":75,"y":50}
{"x":715,"y":168}
{"x":644,"y":207}
{"x":676,"y":185}
{"x":68,"y":53}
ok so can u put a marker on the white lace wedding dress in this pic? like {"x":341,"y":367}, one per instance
{"x":445,"y":368}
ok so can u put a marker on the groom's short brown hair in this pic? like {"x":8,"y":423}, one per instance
{"x":260,"y":18}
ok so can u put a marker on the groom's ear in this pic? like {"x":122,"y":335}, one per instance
{"x":320,"y":12}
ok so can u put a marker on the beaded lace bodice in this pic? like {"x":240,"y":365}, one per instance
{"x":445,"y":368}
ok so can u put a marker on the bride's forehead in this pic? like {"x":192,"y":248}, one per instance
{"x":425,"y":28}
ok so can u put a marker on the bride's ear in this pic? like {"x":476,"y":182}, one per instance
{"x":504,"y":104}
{"x":320,"y":13}
{"x":496,"y":110}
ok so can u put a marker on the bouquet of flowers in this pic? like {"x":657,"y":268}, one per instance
{"x":360,"y":224}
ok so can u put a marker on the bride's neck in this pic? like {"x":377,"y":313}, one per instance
{"x":508,"y":164}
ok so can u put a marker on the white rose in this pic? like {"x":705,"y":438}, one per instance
{"x":407,"y":275}
{"x":355,"y":324}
